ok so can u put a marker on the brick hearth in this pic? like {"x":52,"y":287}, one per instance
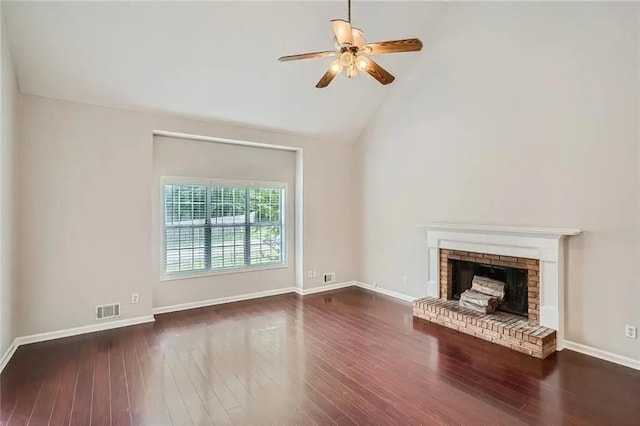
{"x":504,"y":329}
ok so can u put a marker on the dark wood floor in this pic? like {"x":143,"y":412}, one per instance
{"x":346,"y":357}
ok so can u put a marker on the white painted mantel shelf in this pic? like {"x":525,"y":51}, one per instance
{"x":501,"y":229}
{"x":544,"y":244}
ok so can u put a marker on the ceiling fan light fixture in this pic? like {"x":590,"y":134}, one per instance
{"x":362,"y":63}
{"x":336,"y":66}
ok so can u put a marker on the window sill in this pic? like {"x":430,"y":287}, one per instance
{"x":224,"y":272}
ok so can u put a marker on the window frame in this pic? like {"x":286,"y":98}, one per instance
{"x":227,"y":183}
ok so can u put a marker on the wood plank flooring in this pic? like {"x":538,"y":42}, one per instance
{"x":347,"y":357}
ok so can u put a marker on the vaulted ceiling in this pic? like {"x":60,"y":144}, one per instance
{"x":214,"y":60}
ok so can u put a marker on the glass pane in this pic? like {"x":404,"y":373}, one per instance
{"x":216,"y":257}
{"x":172,"y":238}
{"x":185,"y":204}
{"x":168,"y":202}
{"x":199,"y":213}
{"x":184,"y":249}
{"x":228,"y":259}
{"x":186,"y":237}
{"x":238,"y":245}
{"x":239,"y":255}
{"x":240,"y":203}
{"x":266,"y":244}
{"x":227,"y":205}
{"x":199,"y":194}
{"x":172,"y":261}
{"x":198,"y":237}
{"x":227,"y":236}
{"x":216,"y":237}
{"x":171,"y":204}
{"x":227,"y":246}
{"x":265,"y":205}
{"x":198,"y":258}
{"x":239,"y":235}
{"x":186,"y":259}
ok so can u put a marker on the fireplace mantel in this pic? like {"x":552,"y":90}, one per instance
{"x":501,"y":229}
{"x":544,"y":244}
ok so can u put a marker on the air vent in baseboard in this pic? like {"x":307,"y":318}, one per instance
{"x":108,"y":311}
{"x":329,"y":278}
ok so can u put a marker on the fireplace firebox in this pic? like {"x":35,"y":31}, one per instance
{"x":516,"y":291}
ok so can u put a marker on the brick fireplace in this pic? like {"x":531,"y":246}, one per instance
{"x":531,"y":258}
{"x":530,"y":266}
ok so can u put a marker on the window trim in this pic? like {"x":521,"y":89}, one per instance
{"x":236,"y":183}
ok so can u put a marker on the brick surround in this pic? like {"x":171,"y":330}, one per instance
{"x":531,"y":265}
{"x":524,"y":335}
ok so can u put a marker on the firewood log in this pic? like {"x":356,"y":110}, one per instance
{"x":488,"y":286}
{"x":485,"y":303}
{"x":474,"y":307}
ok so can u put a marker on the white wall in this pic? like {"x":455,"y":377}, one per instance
{"x":79,"y":165}
{"x":518,"y":113}
{"x":190,"y":158}
{"x":8,"y":110}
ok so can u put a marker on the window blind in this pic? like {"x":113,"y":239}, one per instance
{"x":210,"y":226}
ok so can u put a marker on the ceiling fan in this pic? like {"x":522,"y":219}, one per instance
{"x":354,"y":53}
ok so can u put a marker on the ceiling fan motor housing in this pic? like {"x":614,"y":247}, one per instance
{"x":347,"y":59}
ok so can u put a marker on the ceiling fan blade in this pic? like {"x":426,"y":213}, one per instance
{"x":395,"y":46}
{"x":326,"y":79}
{"x":311,"y":55}
{"x":358,"y":37}
{"x":379,"y":73}
{"x":342,"y":30}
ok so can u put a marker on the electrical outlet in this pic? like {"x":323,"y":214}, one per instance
{"x":135,"y":298}
{"x":405,"y":280}
{"x":630,"y":331}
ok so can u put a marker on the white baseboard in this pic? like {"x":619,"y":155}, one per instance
{"x":249,"y":296}
{"x":323,"y":288}
{"x":604,"y":355}
{"x":41,"y":337}
{"x":8,"y":354}
{"x":221,"y":300}
{"x":384,"y":291}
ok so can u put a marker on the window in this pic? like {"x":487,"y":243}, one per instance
{"x":211,"y":226}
